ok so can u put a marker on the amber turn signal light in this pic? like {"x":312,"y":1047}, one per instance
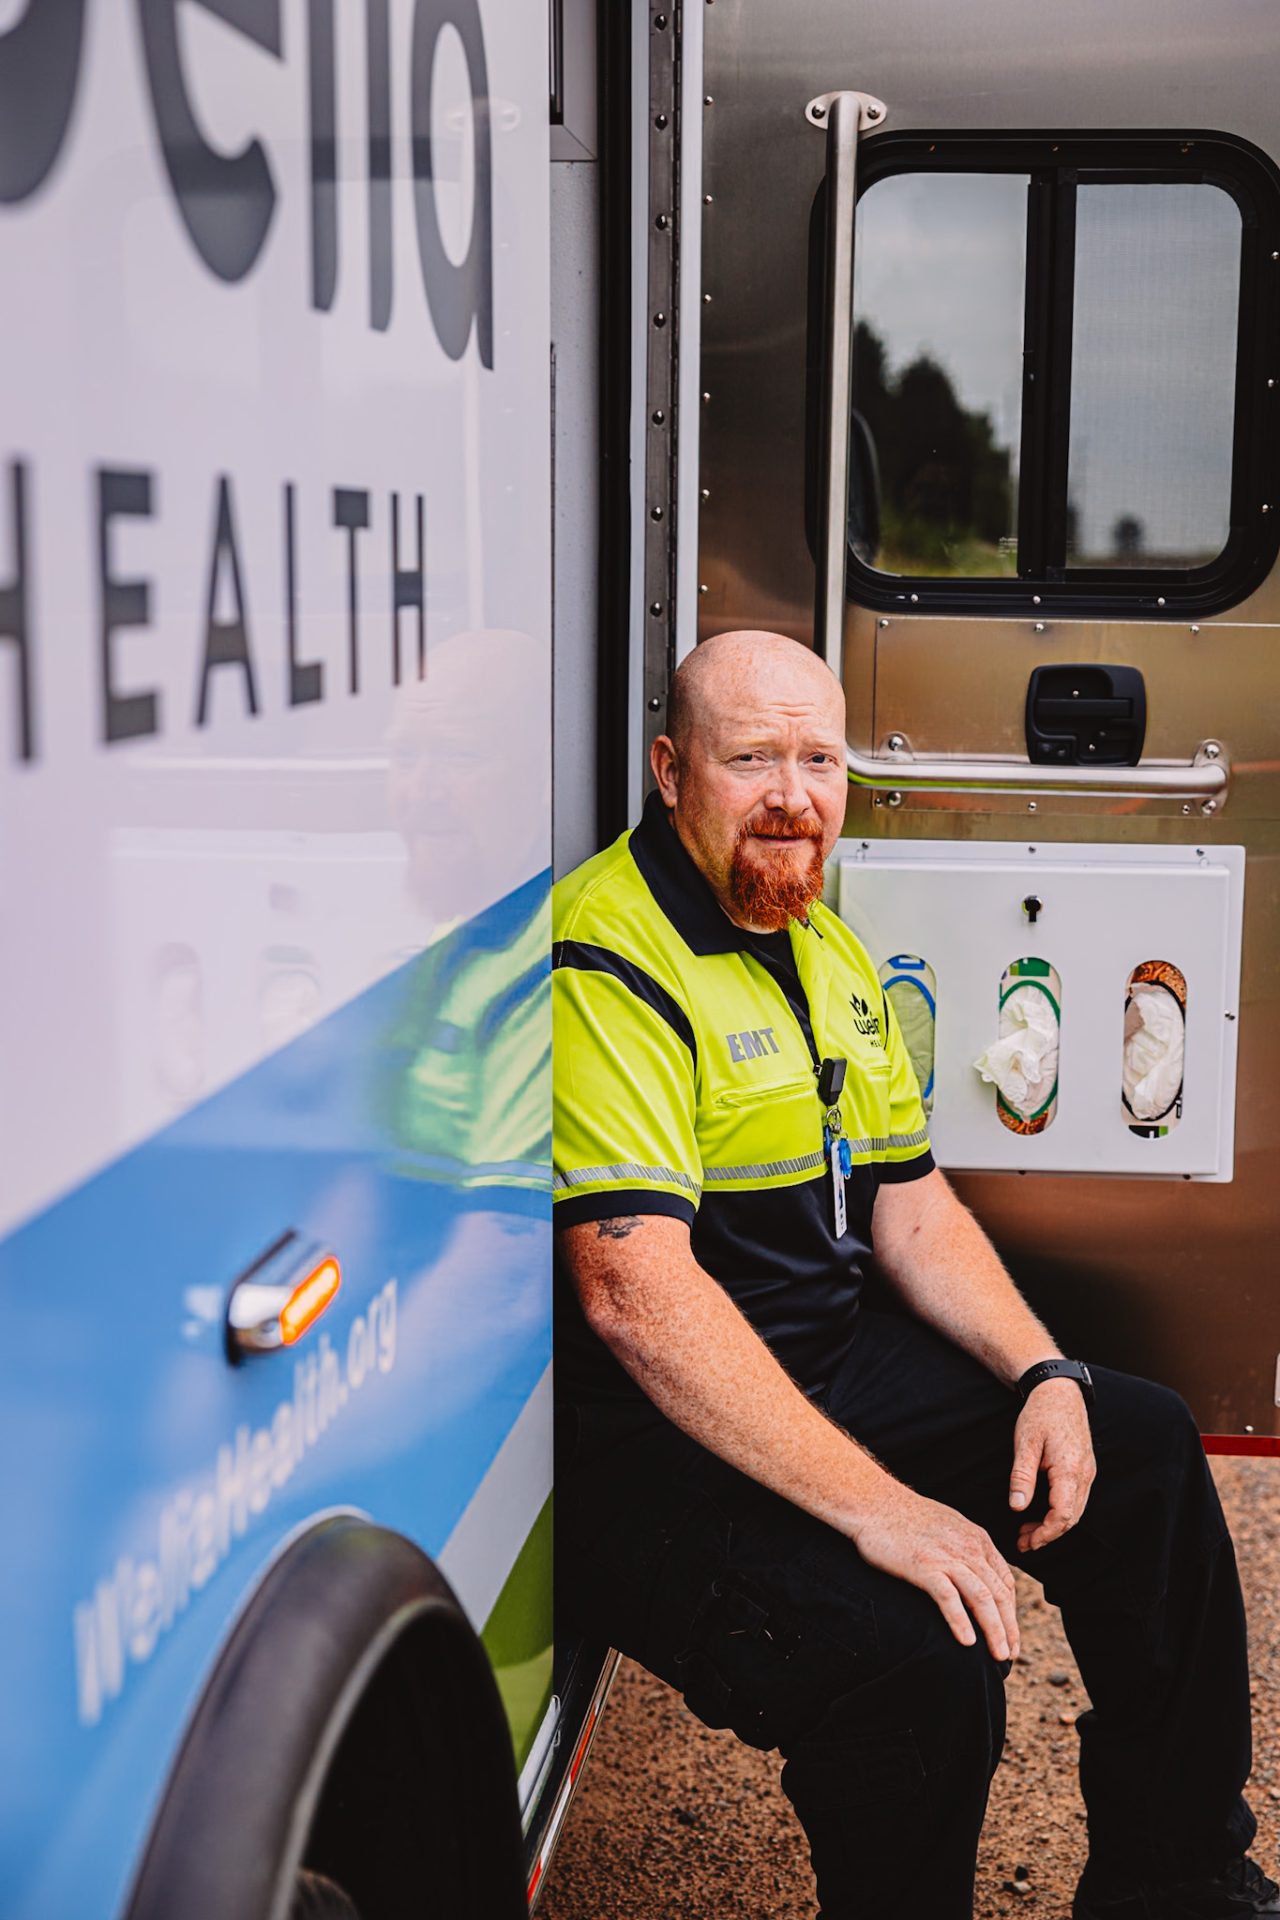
{"x":284,"y":1292}
{"x":308,"y":1300}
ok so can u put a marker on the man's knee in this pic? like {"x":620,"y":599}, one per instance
{"x":956,"y":1690}
{"x":1154,"y":1495}
{"x":836,"y":1680}
{"x":1145,"y":1430}
{"x":932,"y":1714}
{"x":1150,"y":1411}
{"x":921,"y":1676}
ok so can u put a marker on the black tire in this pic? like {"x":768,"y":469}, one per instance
{"x":351,"y":1727}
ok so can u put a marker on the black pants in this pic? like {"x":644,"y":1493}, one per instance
{"x":769,"y":1622}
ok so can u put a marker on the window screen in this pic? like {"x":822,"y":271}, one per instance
{"x":1058,"y":361}
{"x":1153,"y":374}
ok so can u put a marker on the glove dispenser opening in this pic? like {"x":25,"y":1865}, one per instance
{"x":1155,"y":1038}
{"x":912,"y":988}
{"x":1022,"y":1062}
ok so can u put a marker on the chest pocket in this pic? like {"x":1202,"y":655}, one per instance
{"x":740,"y":1099}
{"x":761,"y":1131}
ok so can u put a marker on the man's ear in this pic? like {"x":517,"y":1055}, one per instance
{"x":665,"y":762}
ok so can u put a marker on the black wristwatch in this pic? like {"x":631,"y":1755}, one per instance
{"x":1056,"y":1370}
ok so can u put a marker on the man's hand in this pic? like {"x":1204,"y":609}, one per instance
{"x":1052,"y":1436}
{"x":948,"y":1558}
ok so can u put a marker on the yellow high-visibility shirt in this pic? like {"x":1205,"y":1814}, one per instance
{"x":686,"y":1056}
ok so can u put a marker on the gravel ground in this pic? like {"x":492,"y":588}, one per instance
{"x":674,"y":1822}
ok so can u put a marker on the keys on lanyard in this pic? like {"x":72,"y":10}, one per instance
{"x":834,"y":1145}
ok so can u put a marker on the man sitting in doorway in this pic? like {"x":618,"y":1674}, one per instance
{"x":799,"y":1510}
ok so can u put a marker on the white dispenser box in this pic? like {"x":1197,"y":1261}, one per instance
{"x":1103,"y":911}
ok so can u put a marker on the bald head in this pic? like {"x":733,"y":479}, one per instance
{"x":744,"y":668}
{"x":752,"y":770}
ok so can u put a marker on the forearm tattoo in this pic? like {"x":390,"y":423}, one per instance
{"x":619,"y":1228}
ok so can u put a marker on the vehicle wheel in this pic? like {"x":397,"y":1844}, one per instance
{"x":351,"y":1745}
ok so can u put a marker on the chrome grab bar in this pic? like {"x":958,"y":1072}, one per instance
{"x":844,"y":115}
{"x":1204,"y":780}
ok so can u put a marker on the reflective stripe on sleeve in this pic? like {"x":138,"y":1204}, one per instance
{"x":885,"y":1143}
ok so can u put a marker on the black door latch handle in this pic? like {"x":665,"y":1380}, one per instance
{"x":1086,"y":715}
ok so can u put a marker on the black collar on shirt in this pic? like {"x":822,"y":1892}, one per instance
{"x":682,"y":892}
{"x":678,"y":886}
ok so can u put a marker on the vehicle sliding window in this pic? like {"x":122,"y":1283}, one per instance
{"x":1064,"y":384}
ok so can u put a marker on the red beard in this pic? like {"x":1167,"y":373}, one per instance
{"x":770,"y":886}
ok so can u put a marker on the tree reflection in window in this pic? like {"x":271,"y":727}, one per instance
{"x":947,"y":491}
{"x":939,"y":291}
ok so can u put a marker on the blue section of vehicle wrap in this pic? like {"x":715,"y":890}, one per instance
{"x":146,"y":1483}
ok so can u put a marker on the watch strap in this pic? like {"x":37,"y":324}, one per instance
{"x":1056,"y":1370}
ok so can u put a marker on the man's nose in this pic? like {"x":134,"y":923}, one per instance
{"x":788,"y":792}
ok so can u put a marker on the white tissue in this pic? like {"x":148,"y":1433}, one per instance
{"x":1154,"y":1045}
{"x":1023,"y":1062}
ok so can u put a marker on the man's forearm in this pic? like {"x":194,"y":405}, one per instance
{"x":941,"y":1263}
{"x":686,"y":1344}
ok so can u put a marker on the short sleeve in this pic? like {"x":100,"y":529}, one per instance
{"x":908,"y":1155}
{"x":623,"y":1136}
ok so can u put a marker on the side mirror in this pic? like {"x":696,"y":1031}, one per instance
{"x":864,"y":492}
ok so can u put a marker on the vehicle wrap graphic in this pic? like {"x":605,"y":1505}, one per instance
{"x":140,"y":1599}
{"x":156,"y":1482}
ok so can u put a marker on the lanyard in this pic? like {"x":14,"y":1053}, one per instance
{"x":830,"y":1074}
{"x":835,"y":1147}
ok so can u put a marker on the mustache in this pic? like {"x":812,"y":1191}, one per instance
{"x":782,"y":826}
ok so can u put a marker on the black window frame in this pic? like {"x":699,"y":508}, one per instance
{"x":1056,"y":163}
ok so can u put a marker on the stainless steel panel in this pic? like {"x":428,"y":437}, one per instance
{"x":1175,"y":1278}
